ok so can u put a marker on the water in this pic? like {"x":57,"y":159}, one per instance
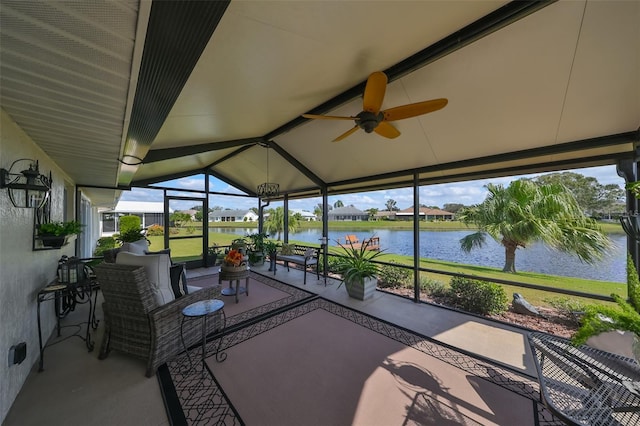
{"x":446,"y":246}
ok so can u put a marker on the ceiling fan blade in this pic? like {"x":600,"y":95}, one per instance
{"x":329,"y":117}
{"x":374,"y":92}
{"x":347,"y":133}
{"x":413,"y":110}
{"x":387,"y":130}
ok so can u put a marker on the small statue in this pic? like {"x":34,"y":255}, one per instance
{"x":521,"y":306}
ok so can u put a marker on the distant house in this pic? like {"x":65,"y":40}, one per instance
{"x":348,"y":213}
{"x":385,"y":214}
{"x":306,"y":215}
{"x":425,"y":214}
{"x":149,"y":212}
{"x":232,"y":216}
{"x":191,"y":213}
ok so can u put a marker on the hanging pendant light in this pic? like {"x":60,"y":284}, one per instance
{"x":268,"y":189}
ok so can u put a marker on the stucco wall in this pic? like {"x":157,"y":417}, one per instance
{"x":23,"y":271}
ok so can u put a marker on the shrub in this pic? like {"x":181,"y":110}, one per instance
{"x":128,"y":223}
{"x":104,"y":244}
{"x":433,"y":287}
{"x":333,"y":264}
{"x":390,"y":276}
{"x":478,"y":296}
{"x":633,"y":284}
{"x":155,"y":230}
{"x":569,"y":308}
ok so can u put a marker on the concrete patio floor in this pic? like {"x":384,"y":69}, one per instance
{"x":76,"y":388}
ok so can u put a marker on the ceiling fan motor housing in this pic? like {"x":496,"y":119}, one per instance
{"x":368,"y":121}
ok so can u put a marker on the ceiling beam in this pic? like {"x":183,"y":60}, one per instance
{"x":297,"y":164}
{"x":177,"y":34}
{"x":184,"y":151}
{"x":581,"y":145}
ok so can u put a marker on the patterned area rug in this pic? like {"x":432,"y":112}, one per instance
{"x":315,"y":362}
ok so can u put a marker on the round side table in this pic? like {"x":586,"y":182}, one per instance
{"x":234,"y":277}
{"x":203,"y":309}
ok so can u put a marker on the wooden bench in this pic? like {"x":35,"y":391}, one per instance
{"x":300,"y":255}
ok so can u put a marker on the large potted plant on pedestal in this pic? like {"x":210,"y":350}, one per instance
{"x":359,"y":273}
{"x":256,"y":249}
{"x":271,"y":249}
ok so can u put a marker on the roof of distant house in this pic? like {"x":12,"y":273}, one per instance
{"x":140,"y":207}
{"x":230,"y":213}
{"x":346,"y":210}
{"x":426,"y":211}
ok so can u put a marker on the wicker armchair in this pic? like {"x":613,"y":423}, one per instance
{"x":136,"y":325}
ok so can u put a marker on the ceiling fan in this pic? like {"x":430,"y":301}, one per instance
{"x":371,"y":119}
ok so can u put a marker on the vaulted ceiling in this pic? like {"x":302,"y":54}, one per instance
{"x":126,"y":93}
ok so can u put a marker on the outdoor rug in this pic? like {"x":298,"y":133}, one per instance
{"x":266,"y":295}
{"x":320,"y":363}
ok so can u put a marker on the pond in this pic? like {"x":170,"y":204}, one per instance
{"x":446,"y":246}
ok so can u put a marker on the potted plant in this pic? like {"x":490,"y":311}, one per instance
{"x":234,"y":261}
{"x":212,"y":253}
{"x":239,"y":244}
{"x":599,"y":319}
{"x":55,"y":234}
{"x":359,"y":273}
{"x":256,"y":251}
{"x":271,"y":249}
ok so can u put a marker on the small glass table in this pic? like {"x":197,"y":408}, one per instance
{"x":234,"y":277}
{"x":203,"y":309}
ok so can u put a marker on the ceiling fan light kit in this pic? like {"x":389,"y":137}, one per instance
{"x":371,"y":119}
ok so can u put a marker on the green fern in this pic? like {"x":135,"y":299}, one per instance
{"x":599,"y":319}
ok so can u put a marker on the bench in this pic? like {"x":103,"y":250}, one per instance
{"x":372,"y":243}
{"x":300,"y":255}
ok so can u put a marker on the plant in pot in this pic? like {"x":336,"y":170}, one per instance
{"x":234,"y":260}
{"x":256,"y":251}
{"x":212,"y":253}
{"x":625,"y":317}
{"x":359,"y":272}
{"x":271,"y":249}
{"x":55,"y":234}
{"x":239,"y":244}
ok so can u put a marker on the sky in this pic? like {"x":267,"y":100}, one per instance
{"x":467,"y":193}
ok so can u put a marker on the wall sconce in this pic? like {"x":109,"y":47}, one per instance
{"x":28,"y":188}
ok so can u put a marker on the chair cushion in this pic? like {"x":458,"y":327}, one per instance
{"x":179,"y":280}
{"x":157,"y":268}
{"x":165,"y":251}
{"x":137,"y":247}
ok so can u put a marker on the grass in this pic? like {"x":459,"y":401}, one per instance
{"x":190,"y":249}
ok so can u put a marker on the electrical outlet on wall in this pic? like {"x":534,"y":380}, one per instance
{"x":17,"y":353}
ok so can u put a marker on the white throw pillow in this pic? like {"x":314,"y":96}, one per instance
{"x":157,"y":268}
{"x":137,"y":247}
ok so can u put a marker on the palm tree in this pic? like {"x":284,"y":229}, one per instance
{"x":275,"y":222}
{"x":338,"y":203}
{"x":526,"y":212}
{"x":391,"y":205}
